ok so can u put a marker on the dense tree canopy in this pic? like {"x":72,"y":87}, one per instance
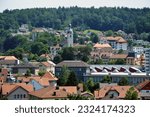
{"x":127,"y":19}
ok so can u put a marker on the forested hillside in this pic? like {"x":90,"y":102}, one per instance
{"x":126,"y":19}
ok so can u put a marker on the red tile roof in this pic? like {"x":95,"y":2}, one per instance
{"x":119,"y":56}
{"x":8,"y":58}
{"x":102,"y":46}
{"x":118,"y":39}
{"x":69,"y":89}
{"x":8,"y":88}
{"x":143,"y":84}
{"x":49,"y":93}
{"x":44,"y":80}
{"x":101,"y":93}
{"x":49,"y":76}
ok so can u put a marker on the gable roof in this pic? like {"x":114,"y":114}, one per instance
{"x":97,"y":45}
{"x":69,"y":89}
{"x":48,"y":63}
{"x":142,"y":84}
{"x":117,"y":39}
{"x":119,"y":56}
{"x":49,"y":93}
{"x":49,"y":76}
{"x":101,"y":93}
{"x":0,"y":88}
{"x":8,"y":88}
{"x":72,"y":63}
{"x":44,"y":80}
{"x":8,"y":58}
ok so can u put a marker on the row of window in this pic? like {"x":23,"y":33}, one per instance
{"x":19,"y":96}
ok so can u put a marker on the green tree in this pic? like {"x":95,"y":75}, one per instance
{"x":120,"y":51}
{"x":99,"y":61}
{"x":39,"y":48}
{"x":41,"y":73}
{"x":106,"y":79}
{"x":28,"y":73}
{"x":90,"y":84}
{"x":72,"y":79}
{"x":109,"y":33}
{"x":63,"y":78}
{"x":68,"y":53}
{"x":120,"y":62}
{"x":94,"y":37}
{"x":123,"y":81}
{"x":131,"y":94}
{"x":57,"y":59}
{"x":77,"y":97}
{"x":17,"y":52}
{"x":112,"y":62}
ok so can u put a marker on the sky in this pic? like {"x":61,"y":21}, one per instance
{"x":22,"y":4}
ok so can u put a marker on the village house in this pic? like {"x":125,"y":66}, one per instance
{"x":8,"y":61}
{"x":144,"y":89}
{"x":39,"y":82}
{"x":101,"y":51}
{"x":45,"y":66}
{"x":88,"y":95}
{"x":117,"y":43}
{"x":54,"y":50}
{"x":79,"y":67}
{"x":22,"y":69}
{"x":17,"y":91}
{"x":53,"y":93}
{"x":118,"y":56}
{"x":112,"y":93}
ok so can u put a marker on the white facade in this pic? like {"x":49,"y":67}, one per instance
{"x":121,"y":46}
{"x":138,"y":50}
{"x":147,"y":60}
{"x":70,"y":37}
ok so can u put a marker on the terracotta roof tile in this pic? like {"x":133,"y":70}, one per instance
{"x":44,"y":80}
{"x":69,"y":89}
{"x":102,"y":46}
{"x":7,"y":88}
{"x":49,"y":93}
{"x":49,"y":76}
{"x":46,"y":64}
{"x":119,"y":56}
{"x":142,"y":84}
{"x":8,"y":58}
{"x":118,"y":39}
{"x":101,"y":93}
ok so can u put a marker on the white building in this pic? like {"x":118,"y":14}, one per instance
{"x":69,"y":34}
{"x":147,"y":60}
{"x":117,"y":43}
{"x":138,"y":50}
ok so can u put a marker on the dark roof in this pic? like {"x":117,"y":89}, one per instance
{"x":25,"y":65}
{"x":142,"y":84}
{"x":72,"y":63}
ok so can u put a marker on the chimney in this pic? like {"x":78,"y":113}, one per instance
{"x":54,"y":93}
{"x":57,"y":87}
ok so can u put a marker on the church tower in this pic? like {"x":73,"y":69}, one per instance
{"x":69,"y":33}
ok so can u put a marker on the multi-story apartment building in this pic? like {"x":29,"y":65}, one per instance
{"x":147,"y":60}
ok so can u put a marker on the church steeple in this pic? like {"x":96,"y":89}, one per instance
{"x":69,"y":36}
